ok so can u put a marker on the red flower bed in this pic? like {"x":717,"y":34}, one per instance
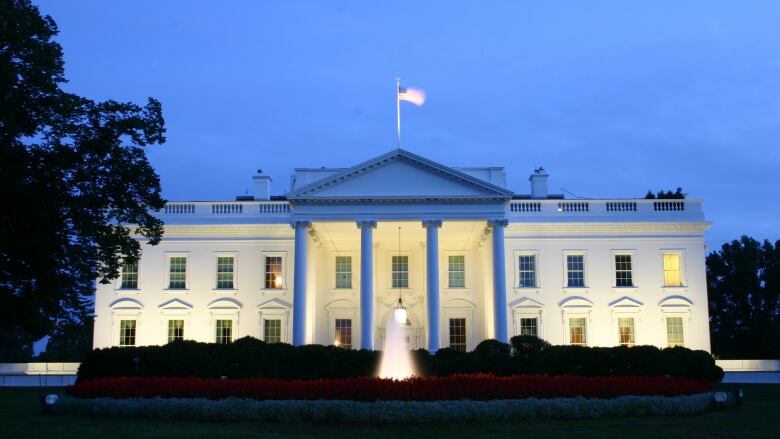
{"x":474,"y":387}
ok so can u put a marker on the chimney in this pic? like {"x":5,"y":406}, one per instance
{"x":539,"y":183}
{"x":262,"y":186}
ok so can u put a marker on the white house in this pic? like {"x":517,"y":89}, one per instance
{"x":470,"y":259}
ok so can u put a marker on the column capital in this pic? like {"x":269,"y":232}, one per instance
{"x":366,"y":223}
{"x":300,"y":223}
{"x":498,"y":223}
{"x":426,"y":223}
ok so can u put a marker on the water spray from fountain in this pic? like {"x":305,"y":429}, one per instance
{"x":397,"y":361}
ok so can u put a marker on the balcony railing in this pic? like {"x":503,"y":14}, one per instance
{"x":607,"y":209}
{"x":225,"y":209}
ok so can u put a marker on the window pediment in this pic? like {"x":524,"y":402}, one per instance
{"x":675,"y":301}
{"x":225,"y":303}
{"x":576,"y":302}
{"x":126,"y":303}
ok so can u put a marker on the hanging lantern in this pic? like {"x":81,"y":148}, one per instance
{"x":400,"y":312}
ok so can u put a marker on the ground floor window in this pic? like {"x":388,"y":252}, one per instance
{"x":272,"y":331}
{"x":529,"y":326}
{"x":458,"y":334}
{"x":224,"y":331}
{"x":127,"y":333}
{"x":344,"y":333}
{"x":674,"y":331}
{"x":578,"y":331}
{"x":626,"y":335}
{"x":175,"y":330}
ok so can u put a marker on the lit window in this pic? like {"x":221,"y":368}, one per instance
{"x":272,"y":331}
{"x":623,"y":274}
{"x":527,"y":265}
{"x":458,"y":334}
{"x":127,"y":333}
{"x":578,"y":331}
{"x":225,"y":272}
{"x":456,"y":266}
{"x":674,"y":331}
{"x":672,"y":276}
{"x":626,"y":331}
{"x":575,"y":270}
{"x":177,"y":275}
{"x":129,"y":276}
{"x":400,"y":271}
{"x":224,"y":333}
{"x":344,"y":333}
{"x":175,"y":330}
{"x":529,"y":326}
{"x":343,"y":271}
{"x":273,"y":272}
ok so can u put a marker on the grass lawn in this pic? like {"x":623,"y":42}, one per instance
{"x":759,"y":417}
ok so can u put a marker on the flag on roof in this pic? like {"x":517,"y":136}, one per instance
{"x":413,"y":95}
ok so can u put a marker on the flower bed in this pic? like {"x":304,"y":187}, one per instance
{"x":454,"y":387}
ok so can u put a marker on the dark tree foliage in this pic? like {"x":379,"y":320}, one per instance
{"x":74,"y":176}
{"x":668,"y":195}
{"x":743,"y":285}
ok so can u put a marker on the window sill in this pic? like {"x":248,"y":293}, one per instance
{"x":576,"y":290}
{"x":176,"y":291}
{"x":265,"y":291}
{"x":632,"y":288}
{"x":224,"y":290}
{"x":677,"y":288}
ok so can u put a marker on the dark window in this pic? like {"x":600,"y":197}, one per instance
{"x":458,"y":334}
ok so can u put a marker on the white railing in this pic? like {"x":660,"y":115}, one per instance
{"x":591,"y":208}
{"x":226,"y":209}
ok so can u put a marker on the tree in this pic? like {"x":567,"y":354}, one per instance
{"x":668,"y":195}
{"x":76,"y":181}
{"x":743,"y":285}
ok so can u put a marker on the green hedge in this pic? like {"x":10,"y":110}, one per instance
{"x":249,"y":357}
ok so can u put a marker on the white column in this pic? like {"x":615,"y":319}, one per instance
{"x":499,"y":280}
{"x":366,"y":283}
{"x":299,"y":282}
{"x":432,"y":264}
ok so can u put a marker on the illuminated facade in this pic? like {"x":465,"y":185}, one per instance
{"x":470,"y":259}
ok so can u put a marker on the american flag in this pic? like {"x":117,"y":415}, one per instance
{"x":413,"y":95}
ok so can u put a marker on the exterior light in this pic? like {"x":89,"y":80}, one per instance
{"x":336,"y":343}
{"x":277,"y":281}
{"x":51,"y":399}
{"x":400,"y":312}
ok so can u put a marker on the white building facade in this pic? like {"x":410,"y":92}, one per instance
{"x":471,"y":260}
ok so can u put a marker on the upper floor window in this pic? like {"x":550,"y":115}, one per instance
{"x":626,"y":331}
{"x":129,"y":275}
{"x":672,"y":271}
{"x":456,"y":267}
{"x":458,"y":334}
{"x":225,"y":271}
{"x":177,"y":275}
{"x":527,"y":271}
{"x":344,"y":333}
{"x":529,"y":326}
{"x":224,"y":333}
{"x":343,"y":271}
{"x":272,"y":330}
{"x":127,"y":333}
{"x":575,"y":270}
{"x":623,"y":272}
{"x":578,"y":331}
{"x":273,"y":272}
{"x":400,"y":271}
{"x":175,"y":330}
{"x":674,"y":332}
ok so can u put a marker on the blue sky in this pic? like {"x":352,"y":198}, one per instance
{"x":612,"y":97}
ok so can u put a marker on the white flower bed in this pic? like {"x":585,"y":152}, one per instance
{"x":389,"y":412}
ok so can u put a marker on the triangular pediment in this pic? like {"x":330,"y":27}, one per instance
{"x":625,"y":302}
{"x":526,"y":302}
{"x":399,"y":175}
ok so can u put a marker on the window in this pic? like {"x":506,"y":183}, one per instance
{"x":623,"y":276}
{"x":400,"y":271}
{"x":177,"y":275}
{"x":129,"y":276}
{"x":527,"y":265}
{"x":626,"y":331}
{"x":273,"y":272}
{"x":575,"y":270}
{"x":225,"y":272}
{"x":272,"y":331}
{"x":343,"y":271}
{"x":529,"y":326}
{"x":578,"y":331}
{"x":224,"y":331}
{"x":175,"y":330}
{"x":458,"y":334}
{"x":457,"y":271}
{"x":672,"y":276}
{"x":344,"y":333}
{"x":127,"y":333}
{"x":674,"y":331}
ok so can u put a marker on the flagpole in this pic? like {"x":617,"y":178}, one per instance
{"x":398,"y":109}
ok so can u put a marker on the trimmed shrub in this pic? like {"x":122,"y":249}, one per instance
{"x":249,"y":358}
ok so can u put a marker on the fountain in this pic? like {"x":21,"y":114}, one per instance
{"x":396,"y":361}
